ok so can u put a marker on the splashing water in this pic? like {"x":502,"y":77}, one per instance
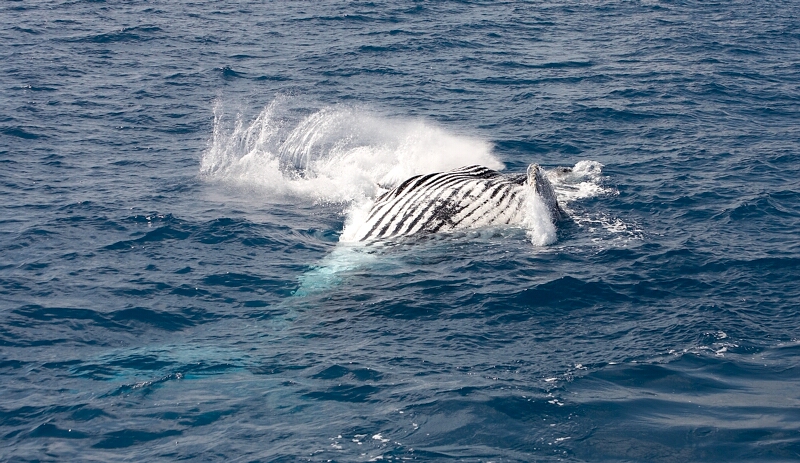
{"x":336,"y":154}
{"x":348,"y":155}
{"x":581,"y":181}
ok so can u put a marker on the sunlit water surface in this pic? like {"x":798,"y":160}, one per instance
{"x":176,"y":178}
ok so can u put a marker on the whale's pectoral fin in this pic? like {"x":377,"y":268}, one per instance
{"x":537,"y":178}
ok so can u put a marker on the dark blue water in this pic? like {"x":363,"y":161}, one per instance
{"x":175,"y":179}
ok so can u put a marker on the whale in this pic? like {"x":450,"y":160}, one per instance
{"x":467,"y":197}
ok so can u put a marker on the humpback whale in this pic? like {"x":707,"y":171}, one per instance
{"x":466,"y":197}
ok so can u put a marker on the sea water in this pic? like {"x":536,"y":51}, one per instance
{"x":177,"y":180}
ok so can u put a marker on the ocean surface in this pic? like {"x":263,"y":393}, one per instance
{"x":177,"y":180}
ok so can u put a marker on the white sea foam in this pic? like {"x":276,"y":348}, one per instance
{"x":357,"y":215}
{"x":583,"y":180}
